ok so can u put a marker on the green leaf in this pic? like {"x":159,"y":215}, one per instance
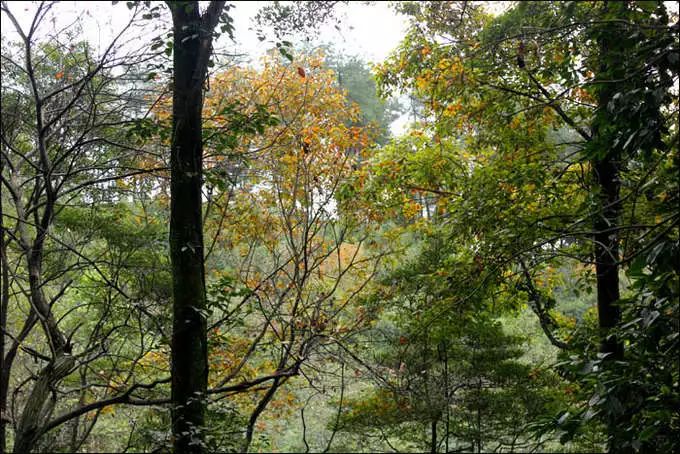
{"x":648,"y":433}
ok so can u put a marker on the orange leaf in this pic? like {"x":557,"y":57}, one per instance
{"x":59,"y":75}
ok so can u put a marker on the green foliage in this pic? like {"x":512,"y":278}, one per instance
{"x":440,"y":360}
{"x":513,"y":85}
{"x":639,"y":392}
{"x":477,"y":327}
{"x":355,"y":76}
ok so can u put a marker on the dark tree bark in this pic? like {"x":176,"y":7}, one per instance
{"x":604,"y":158}
{"x":41,"y":400}
{"x":64,"y":122}
{"x":4,"y":303}
{"x":433,"y":441}
{"x":607,"y":253}
{"x":193,"y":34}
{"x":606,"y":169}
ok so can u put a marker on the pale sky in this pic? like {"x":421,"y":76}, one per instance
{"x":368,"y":31}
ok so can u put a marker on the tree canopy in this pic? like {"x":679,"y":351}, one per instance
{"x":204,"y":254}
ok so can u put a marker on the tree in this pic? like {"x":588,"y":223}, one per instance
{"x":534,"y":198}
{"x":555,"y":71}
{"x":356,"y":77}
{"x":277,"y":236}
{"x":446,"y":375}
{"x":193,"y":33}
{"x":63,"y":111}
{"x":278,"y":145}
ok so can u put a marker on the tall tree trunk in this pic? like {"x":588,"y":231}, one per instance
{"x":478,"y":433}
{"x":615,"y":70}
{"x":4,"y":304}
{"x":606,"y":169}
{"x":189,"y":348}
{"x":433,"y":441}
{"x":607,"y":253}
{"x":192,"y":47}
